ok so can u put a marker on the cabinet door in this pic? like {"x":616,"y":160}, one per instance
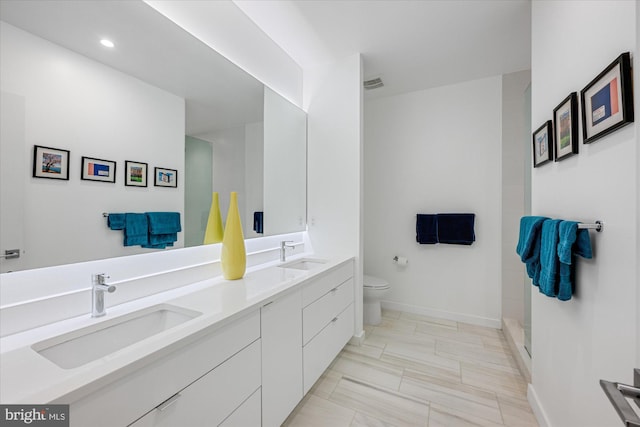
{"x":212,"y":398}
{"x":281,"y":357}
{"x":247,"y":415}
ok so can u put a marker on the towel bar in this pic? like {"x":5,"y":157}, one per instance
{"x":617,"y":394}
{"x":594,"y":226}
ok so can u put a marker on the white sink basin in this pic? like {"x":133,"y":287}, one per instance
{"x":93,"y":342}
{"x":304,"y":263}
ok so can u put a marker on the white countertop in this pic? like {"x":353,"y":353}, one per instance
{"x":28,"y":377}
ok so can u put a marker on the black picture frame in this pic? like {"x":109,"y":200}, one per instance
{"x":135,"y":173}
{"x":50,"y":163}
{"x":543,"y":144}
{"x":565,"y":127}
{"x":607,"y":101}
{"x":164,"y":177}
{"x":100,"y":170}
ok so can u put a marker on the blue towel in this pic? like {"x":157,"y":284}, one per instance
{"x":426,"y":229}
{"x":163,"y":229}
{"x":258,"y":218}
{"x":164,"y":222}
{"x":136,"y":229}
{"x":456,"y":228}
{"x":529,"y":245}
{"x":115,"y":221}
{"x":571,"y":242}
{"x":549,"y":262}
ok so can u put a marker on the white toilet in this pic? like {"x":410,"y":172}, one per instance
{"x":374,"y":289}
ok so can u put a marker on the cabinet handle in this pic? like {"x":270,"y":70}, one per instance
{"x":269,"y":303}
{"x":170,"y":401}
{"x":335,"y":319}
{"x":334,"y":289}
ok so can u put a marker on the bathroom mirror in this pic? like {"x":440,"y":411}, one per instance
{"x":142,"y":101}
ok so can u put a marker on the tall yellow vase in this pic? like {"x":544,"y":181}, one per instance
{"x":234,"y":255}
{"x":214,"y":232}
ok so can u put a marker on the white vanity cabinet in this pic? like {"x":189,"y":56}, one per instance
{"x":327,"y":320}
{"x":249,"y":370}
{"x":201,"y":383}
{"x":281,"y":328}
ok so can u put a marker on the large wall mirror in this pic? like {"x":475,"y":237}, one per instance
{"x":159,"y":97}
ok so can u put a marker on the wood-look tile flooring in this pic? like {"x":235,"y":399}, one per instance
{"x":416,"y":370}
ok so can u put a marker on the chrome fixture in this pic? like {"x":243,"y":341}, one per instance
{"x":98,"y":288}
{"x":11,"y":254}
{"x":283,"y":249}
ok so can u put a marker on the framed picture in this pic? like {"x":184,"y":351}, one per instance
{"x":98,"y":170}
{"x":543,"y":144}
{"x":607,"y":102}
{"x":135,"y":174}
{"x":52,"y":163}
{"x":165,"y":177}
{"x":565,"y":124}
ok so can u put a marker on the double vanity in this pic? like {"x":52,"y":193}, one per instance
{"x":217,"y":352}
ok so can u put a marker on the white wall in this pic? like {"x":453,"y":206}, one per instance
{"x":436,"y":151}
{"x":223,"y":26}
{"x":334,"y":165}
{"x":285,"y":165}
{"x":594,"y":335}
{"x":254,"y":174}
{"x":515,"y":139}
{"x":77,"y":104}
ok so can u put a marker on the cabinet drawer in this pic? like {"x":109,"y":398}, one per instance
{"x":132,"y":396}
{"x":247,"y":415}
{"x":320,"y":286}
{"x":318,"y":354}
{"x":317,"y":314}
{"x":212,"y":398}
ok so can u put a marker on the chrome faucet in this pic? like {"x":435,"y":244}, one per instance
{"x":98,"y":287}
{"x":283,"y":249}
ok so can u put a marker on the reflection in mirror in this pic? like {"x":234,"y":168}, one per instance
{"x":138,"y":102}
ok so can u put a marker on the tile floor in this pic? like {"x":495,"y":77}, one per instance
{"x":416,"y":370}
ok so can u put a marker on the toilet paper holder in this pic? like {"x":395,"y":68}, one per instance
{"x":400,"y":260}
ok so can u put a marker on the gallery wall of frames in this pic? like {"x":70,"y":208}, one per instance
{"x":606,"y":106}
{"x":54,"y":163}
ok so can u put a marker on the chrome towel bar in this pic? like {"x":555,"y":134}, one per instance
{"x":618,"y":394}
{"x":591,"y":226}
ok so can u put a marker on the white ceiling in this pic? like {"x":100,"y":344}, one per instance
{"x":412,"y":45}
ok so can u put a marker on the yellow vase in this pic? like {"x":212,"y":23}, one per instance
{"x":234,"y":255}
{"x":214,"y":232}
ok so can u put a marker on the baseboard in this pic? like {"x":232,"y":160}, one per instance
{"x":514,"y":335}
{"x":358,"y":338}
{"x":536,"y":407}
{"x":442,"y":314}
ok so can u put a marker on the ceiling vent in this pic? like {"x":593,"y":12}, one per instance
{"x":374,"y":83}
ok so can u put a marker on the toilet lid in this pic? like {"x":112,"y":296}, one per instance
{"x":374,"y":282}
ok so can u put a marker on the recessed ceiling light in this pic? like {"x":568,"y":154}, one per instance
{"x":107,"y":43}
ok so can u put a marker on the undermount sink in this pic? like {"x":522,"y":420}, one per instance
{"x":93,"y":342}
{"x":304,"y":263}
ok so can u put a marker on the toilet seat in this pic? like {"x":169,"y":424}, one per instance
{"x":371,"y":282}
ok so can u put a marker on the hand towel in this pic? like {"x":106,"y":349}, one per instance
{"x":549,"y":268}
{"x":115,"y":221}
{"x":456,"y":228}
{"x":529,"y":245}
{"x":426,"y":229}
{"x":571,"y":242}
{"x":163,"y":229}
{"x":136,"y":229}
{"x":164,"y":222}
{"x":258,"y":218}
